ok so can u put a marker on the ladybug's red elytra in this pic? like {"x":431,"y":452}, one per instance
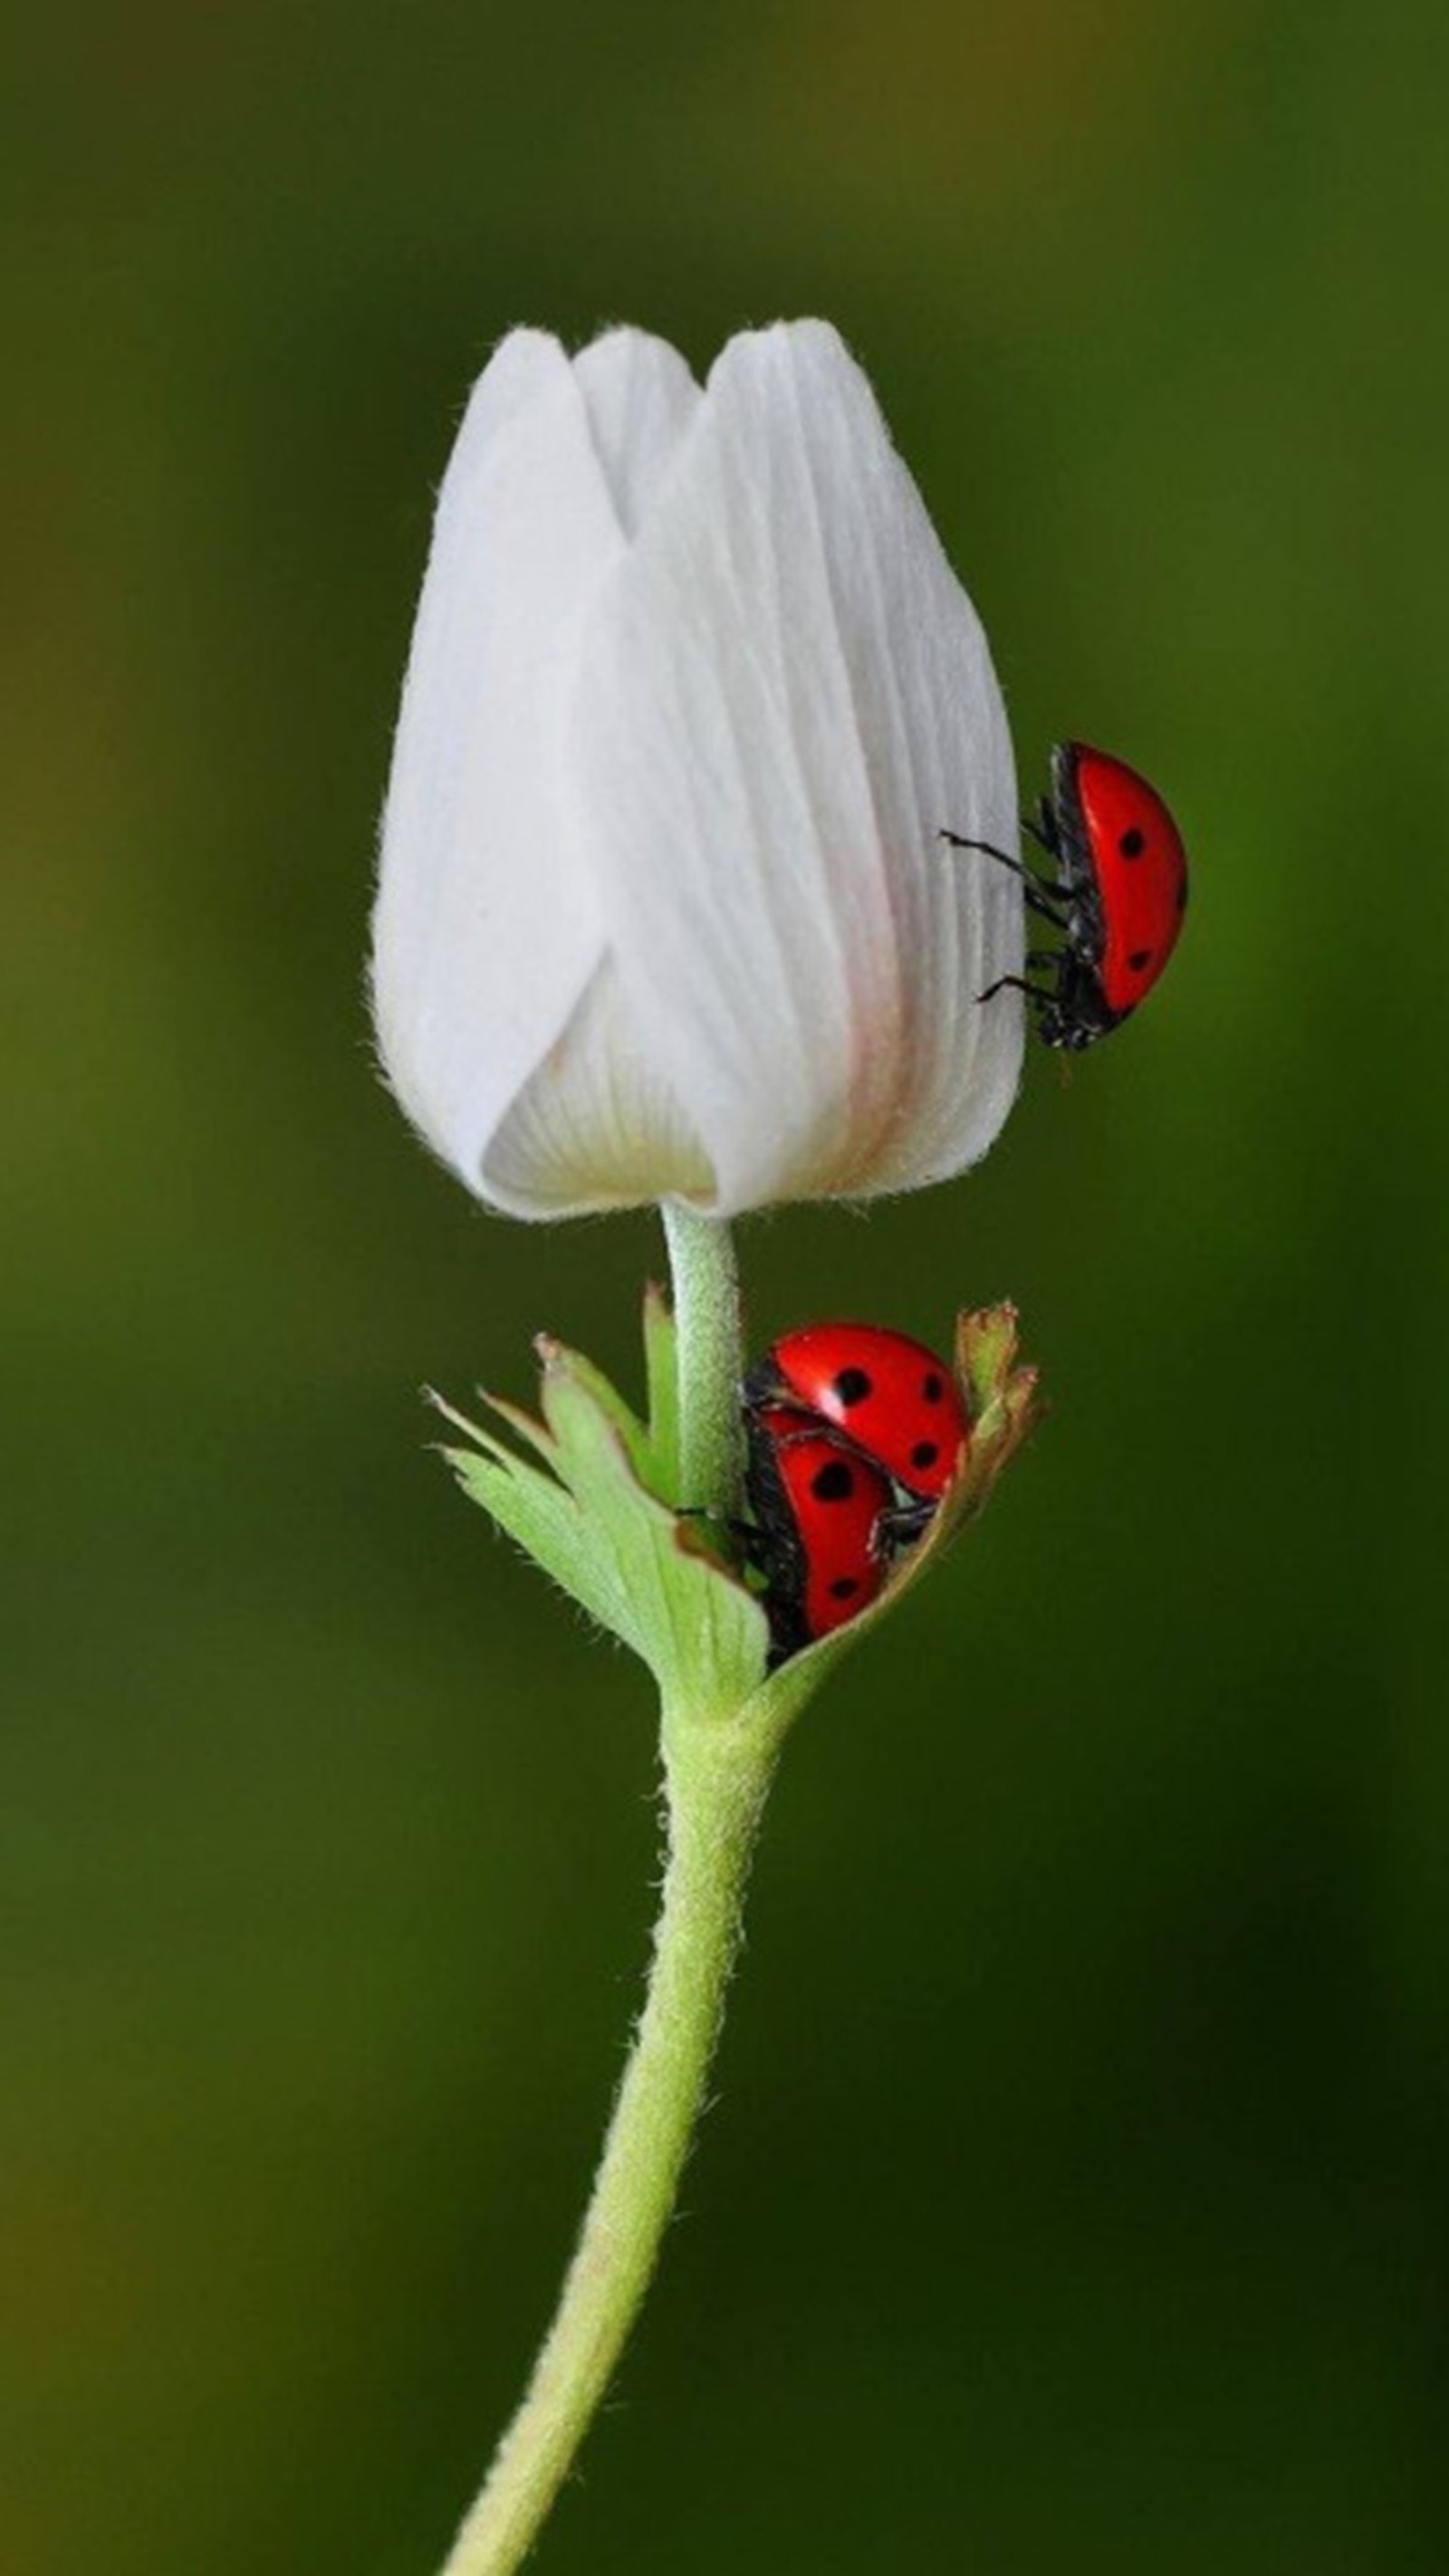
{"x":822,"y":1524}
{"x":853,"y":1434}
{"x":891,"y":1397}
{"x":1117,"y":898}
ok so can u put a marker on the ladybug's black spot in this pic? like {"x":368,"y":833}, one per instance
{"x":852,"y":1385}
{"x":1132,"y":844}
{"x":844,"y":1587}
{"x":1139,"y":958}
{"x":925,"y":1453}
{"x":832,"y":1483}
{"x":933,"y":1390}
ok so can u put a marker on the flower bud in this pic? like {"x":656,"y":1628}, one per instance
{"x":662,"y":909}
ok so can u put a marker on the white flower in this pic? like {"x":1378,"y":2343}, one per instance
{"x":663,"y":911}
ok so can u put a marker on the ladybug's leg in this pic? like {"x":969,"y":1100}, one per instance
{"x":1015,"y":984}
{"x":1043,"y":959}
{"x":1039,"y":899}
{"x":743,"y":1536}
{"x":1042,"y":826}
{"x":958,"y":841}
{"x":1045,"y":899}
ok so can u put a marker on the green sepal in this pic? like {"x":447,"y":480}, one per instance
{"x":592,"y":1506}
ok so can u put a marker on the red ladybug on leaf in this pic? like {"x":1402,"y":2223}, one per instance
{"x":853,"y":1433}
{"x":821,"y":1529}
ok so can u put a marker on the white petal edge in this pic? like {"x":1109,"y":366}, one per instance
{"x":595,"y":1126}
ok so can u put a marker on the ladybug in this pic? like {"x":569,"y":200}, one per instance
{"x":822,"y":1532}
{"x":1118,"y":895}
{"x":896,"y":1403}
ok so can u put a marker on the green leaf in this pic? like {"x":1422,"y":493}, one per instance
{"x":546,"y":1522}
{"x":604,"y":1396}
{"x":591,"y":1516}
{"x":702,"y":1629}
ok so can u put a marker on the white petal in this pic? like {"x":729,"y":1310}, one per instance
{"x":594,"y":1126}
{"x":487,"y":927}
{"x":641,"y":399}
{"x":785,"y":693}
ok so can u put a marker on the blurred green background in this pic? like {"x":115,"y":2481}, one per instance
{"x":1076,"y":2197}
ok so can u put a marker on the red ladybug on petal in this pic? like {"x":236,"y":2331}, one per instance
{"x":1117,"y":898}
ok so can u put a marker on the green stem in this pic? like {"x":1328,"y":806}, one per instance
{"x":707,"y":1317}
{"x":716,"y":1774}
{"x":716,"y":1779}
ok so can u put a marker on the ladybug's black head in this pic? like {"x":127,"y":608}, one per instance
{"x":1055,"y":1029}
{"x":1077,"y":1013}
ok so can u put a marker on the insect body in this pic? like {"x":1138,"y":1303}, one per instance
{"x":1118,"y":896}
{"x":822,"y":1524}
{"x":892,"y":1398}
{"x":853,"y":1434}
